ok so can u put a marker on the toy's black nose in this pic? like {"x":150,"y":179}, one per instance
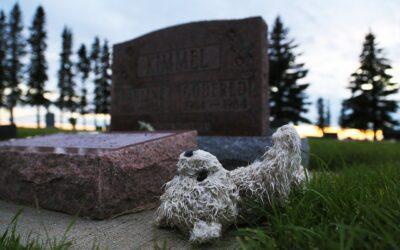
{"x":188,"y":153}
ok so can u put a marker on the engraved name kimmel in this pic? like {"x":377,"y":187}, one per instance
{"x":177,"y":61}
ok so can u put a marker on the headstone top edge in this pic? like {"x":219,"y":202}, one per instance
{"x":86,"y":143}
{"x":259,"y":19}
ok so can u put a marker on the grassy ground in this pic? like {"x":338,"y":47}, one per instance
{"x":11,"y":240}
{"x":26,"y":132}
{"x":332,"y":154}
{"x":356,"y":206}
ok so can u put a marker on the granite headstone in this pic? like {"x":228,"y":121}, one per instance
{"x":50,"y":120}
{"x":210,"y":76}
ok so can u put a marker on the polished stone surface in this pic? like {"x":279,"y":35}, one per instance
{"x":87,"y":140}
{"x":81,"y":143}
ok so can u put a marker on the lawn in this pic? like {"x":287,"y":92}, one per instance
{"x":27,"y":132}
{"x":352,"y":202}
{"x":332,"y":154}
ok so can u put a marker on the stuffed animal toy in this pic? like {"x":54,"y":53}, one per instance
{"x":204,"y":199}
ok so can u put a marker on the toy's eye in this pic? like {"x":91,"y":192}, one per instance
{"x":202,"y":175}
{"x":188,"y":153}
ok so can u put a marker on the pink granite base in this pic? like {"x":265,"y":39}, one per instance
{"x":92,"y":182}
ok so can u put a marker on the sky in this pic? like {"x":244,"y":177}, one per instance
{"x":329,"y":33}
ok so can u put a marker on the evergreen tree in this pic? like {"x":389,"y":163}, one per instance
{"x":321,"y":113}
{"x":369,"y":106}
{"x":15,"y":53}
{"x":3,"y":51}
{"x":328,"y":115}
{"x":38,"y":65}
{"x":105,"y":80}
{"x":342,"y":115}
{"x":83,"y":67}
{"x":96,"y":63}
{"x":66,"y":84}
{"x":287,"y":97}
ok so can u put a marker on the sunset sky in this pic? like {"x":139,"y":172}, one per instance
{"x":330,"y":33}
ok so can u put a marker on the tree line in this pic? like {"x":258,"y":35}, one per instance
{"x":75,"y":70}
{"x":370,"y":105}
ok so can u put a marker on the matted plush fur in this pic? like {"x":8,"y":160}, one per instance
{"x":204,"y":199}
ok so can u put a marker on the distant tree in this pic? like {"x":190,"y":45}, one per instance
{"x":95,"y":67}
{"x":72,"y":121}
{"x":83,"y":68}
{"x":105,"y":80}
{"x":38,"y":66}
{"x":342,"y":115}
{"x":3,"y":53}
{"x":287,"y":95}
{"x":15,"y":53}
{"x":66,"y":84}
{"x":328,"y":114}
{"x":321,"y":113}
{"x":369,"y":106}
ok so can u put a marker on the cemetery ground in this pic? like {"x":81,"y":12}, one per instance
{"x":24,"y":132}
{"x":27,"y":132}
{"x":351,"y":201}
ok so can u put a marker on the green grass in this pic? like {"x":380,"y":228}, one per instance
{"x":27,"y":132}
{"x":357,"y":206}
{"x":11,"y":240}
{"x":332,"y":154}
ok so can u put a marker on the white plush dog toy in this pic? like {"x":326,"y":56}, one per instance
{"x":204,"y":199}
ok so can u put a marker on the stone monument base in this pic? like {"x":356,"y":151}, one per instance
{"x":91,"y":175}
{"x":237,"y":151}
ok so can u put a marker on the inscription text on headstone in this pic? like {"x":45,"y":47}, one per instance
{"x":210,"y":76}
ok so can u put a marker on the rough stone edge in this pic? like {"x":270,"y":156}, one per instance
{"x":188,"y":141}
